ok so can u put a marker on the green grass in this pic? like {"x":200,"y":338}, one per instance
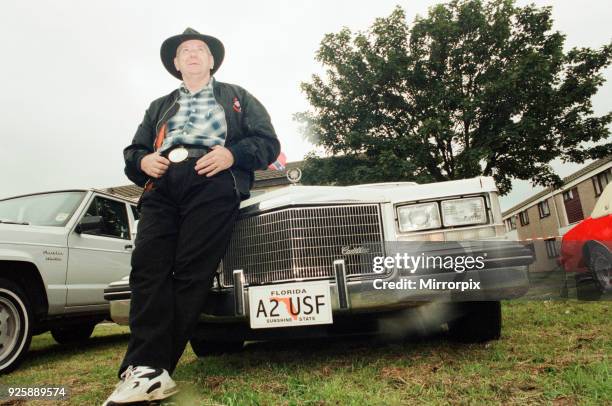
{"x":550,"y":353}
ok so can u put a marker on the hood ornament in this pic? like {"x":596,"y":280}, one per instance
{"x":294,"y":175}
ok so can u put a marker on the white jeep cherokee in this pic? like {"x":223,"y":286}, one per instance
{"x":58,"y":251}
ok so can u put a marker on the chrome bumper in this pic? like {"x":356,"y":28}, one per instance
{"x":230,"y":305}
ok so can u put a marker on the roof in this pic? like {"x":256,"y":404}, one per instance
{"x":108,"y":191}
{"x":576,"y":175}
{"x":263,"y":179}
{"x":131,"y":192}
{"x":272,"y":174}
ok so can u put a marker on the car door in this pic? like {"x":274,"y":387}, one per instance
{"x":98,"y":257}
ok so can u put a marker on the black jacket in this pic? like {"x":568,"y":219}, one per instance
{"x":250,"y":135}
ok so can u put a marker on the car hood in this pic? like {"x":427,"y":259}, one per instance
{"x":372,"y":193}
{"x":40,"y":235}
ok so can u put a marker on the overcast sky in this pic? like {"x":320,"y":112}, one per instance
{"x":76,"y":76}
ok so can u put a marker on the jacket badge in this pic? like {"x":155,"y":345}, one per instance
{"x":236,"y":106}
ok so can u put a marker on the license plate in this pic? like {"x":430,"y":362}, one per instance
{"x":296,"y":304}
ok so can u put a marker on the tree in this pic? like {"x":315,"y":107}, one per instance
{"x":475,"y":88}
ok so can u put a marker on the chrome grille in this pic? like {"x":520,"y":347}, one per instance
{"x":302,"y":243}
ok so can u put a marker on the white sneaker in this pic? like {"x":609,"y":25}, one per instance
{"x":142,"y":384}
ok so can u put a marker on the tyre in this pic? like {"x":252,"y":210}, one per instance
{"x":203,"y":348}
{"x":600,"y":267}
{"x":587,"y":289}
{"x":73,"y":334}
{"x":15,"y":325}
{"x":479,"y":322}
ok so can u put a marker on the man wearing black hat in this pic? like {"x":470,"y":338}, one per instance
{"x":194,"y":152}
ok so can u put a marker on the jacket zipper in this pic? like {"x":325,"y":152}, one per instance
{"x":164,"y":115}
{"x":224,"y":142}
{"x":156,"y":132}
{"x":230,"y":169}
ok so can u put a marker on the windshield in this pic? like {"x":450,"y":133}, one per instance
{"x":47,"y":209}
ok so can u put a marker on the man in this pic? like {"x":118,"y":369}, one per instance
{"x":195,"y":153}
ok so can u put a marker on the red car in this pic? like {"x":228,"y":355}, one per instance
{"x":586,"y":250}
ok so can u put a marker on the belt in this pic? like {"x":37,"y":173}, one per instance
{"x":183,"y":152}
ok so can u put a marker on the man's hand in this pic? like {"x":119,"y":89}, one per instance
{"x":220,"y":158}
{"x":154,"y":165}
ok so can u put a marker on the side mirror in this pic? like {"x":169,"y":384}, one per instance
{"x":90,"y":223}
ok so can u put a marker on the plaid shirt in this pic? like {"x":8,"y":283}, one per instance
{"x":199,"y":121}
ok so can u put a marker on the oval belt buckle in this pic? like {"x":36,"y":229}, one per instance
{"x":178,"y":154}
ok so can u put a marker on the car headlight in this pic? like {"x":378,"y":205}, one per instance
{"x":461,"y":212}
{"x":418,"y":217}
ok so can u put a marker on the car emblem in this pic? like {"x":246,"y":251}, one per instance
{"x":352,"y":250}
{"x":294,"y":175}
{"x":178,"y":155}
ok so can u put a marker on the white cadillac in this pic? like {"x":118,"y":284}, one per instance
{"x":308,"y":261}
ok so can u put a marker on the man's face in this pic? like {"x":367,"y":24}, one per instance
{"x":193,"y":58}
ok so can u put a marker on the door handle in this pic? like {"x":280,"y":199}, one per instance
{"x":128,"y":247}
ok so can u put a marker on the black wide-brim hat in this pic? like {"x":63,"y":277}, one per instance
{"x":169,"y":47}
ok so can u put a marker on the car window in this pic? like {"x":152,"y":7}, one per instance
{"x":114,"y":216}
{"x":603,"y":207}
{"x":44,"y":209}
{"x":135,"y":212}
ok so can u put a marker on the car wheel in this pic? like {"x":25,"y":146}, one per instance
{"x":600,"y":266}
{"x":587,"y":289}
{"x":479,"y":322}
{"x":73,"y":334}
{"x":15,"y":325}
{"x":203,"y":348}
